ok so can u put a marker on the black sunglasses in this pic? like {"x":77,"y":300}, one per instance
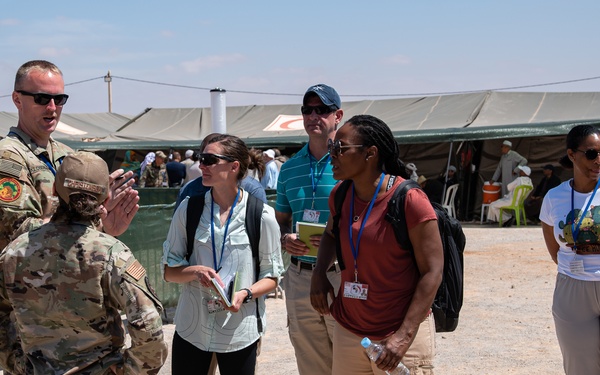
{"x":319,"y":110}
{"x":210,"y":159}
{"x":335,"y":148}
{"x":590,"y":154}
{"x":43,"y":99}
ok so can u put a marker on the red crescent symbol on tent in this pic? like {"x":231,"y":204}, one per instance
{"x":287,"y":124}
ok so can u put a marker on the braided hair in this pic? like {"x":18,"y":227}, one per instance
{"x":374,"y":132}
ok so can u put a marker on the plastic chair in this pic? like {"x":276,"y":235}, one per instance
{"x":517,"y":205}
{"x":449,"y":200}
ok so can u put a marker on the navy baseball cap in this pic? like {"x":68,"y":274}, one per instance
{"x":327,"y":94}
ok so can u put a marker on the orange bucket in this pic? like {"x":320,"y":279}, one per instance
{"x":491,"y":192}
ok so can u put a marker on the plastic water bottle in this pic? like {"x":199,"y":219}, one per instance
{"x":374,"y":351}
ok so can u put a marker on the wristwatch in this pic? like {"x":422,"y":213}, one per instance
{"x":249,"y":296}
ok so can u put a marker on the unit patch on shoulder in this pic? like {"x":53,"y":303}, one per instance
{"x":136,"y":270}
{"x":10,"y":189}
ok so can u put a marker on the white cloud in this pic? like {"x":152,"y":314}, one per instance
{"x":210,"y":62}
{"x":396,"y":60}
{"x":167,"y":34}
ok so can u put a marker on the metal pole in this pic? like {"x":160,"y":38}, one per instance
{"x":108,"y":79}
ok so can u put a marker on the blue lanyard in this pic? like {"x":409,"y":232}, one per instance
{"x":362,"y":224}
{"x":212,"y":229}
{"x":575,"y":229}
{"x":314,"y":183}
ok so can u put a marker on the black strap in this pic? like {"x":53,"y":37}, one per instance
{"x":338,"y":201}
{"x":194,"y":211}
{"x":254,"y":208}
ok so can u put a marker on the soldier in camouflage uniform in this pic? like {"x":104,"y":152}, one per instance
{"x":155,"y":174}
{"x":29,"y":158}
{"x":66,"y":283}
{"x":28,"y":161}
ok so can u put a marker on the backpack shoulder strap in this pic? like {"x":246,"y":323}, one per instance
{"x":254,"y":208}
{"x":194,"y":211}
{"x":396,"y":215}
{"x":338,"y":201}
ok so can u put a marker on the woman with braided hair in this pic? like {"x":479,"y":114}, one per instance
{"x":386,"y":290}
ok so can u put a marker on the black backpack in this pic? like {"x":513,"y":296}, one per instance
{"x":254,"y":208}
{"x":449,"y":297}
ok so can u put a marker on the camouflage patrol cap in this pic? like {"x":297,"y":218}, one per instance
{"x":82,"y":172}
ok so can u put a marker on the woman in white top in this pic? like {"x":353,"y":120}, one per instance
{"x":221,"y":251}
{"x":570,"y":218}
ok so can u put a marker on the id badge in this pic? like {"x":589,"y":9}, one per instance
{"x":576,"y":266}
{"x":311,"y":216}
{"x":214,"y":306}
{"x":356,"y":290}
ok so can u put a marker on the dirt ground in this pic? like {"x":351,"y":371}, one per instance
{"x":506,"y":324}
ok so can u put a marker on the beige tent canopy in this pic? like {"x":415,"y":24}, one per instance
{"x":83,"y":127}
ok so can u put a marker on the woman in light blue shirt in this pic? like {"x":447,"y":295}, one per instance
{"x":221,"y":251}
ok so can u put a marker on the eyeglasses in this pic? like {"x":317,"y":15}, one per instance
{"x":210,"y":159}
{"x":319,"y":110}
{"x":590,"y":154}
{"x":335,"y":148}
{"x":43,"y":99}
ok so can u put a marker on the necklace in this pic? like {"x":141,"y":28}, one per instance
{"x":356,"y":217}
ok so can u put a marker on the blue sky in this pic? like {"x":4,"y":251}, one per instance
{"x":361,"y":48}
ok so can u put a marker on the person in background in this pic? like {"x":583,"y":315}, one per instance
{"x":188,"y":162}
{"x":155,"y":173}
{"x":433,"y":188}
{"x":533,"y":203}
{"x":449,"y":178}
{"x":176,"y":170}
{"x":570,"y":228}
{"x":508,"y":166}
{"x":221,"y":251}
{"x":67,"y":283}
{"x":130,"y":163}
{"x":196,"y":187}
{"x":148,"y":159}
{"x":269,"y":179}
{"x":411,"y":169}
{"x":387,"y":291}
{"x":256,"y":169}
{"x":279,"y":158}
{"x":494,"y":209}
{"x":303,"y":188}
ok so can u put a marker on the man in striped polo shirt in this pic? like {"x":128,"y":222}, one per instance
{"x":303,"y":188}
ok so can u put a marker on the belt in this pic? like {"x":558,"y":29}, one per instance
{"x":311,"y":266}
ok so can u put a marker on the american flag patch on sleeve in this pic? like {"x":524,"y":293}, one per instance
{"x":136,"y":270}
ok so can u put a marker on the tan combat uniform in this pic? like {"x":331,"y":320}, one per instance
{"x":26,"y":183}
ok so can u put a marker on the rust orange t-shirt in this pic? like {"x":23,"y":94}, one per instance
{"x":389,"y":271}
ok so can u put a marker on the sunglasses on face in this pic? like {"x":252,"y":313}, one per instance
{"x":210,"y":159}
{"x":590,"y":154}
{"x":319,"y":110}
{"x":43,"y":99}
{"x":336,"y":148}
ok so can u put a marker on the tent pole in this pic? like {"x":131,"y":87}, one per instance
{"x":446,"y":175}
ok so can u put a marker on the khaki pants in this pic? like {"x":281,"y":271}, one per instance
{"x":350,"y":358}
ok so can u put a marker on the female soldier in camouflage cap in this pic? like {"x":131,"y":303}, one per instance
{"x":67,"y":283}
